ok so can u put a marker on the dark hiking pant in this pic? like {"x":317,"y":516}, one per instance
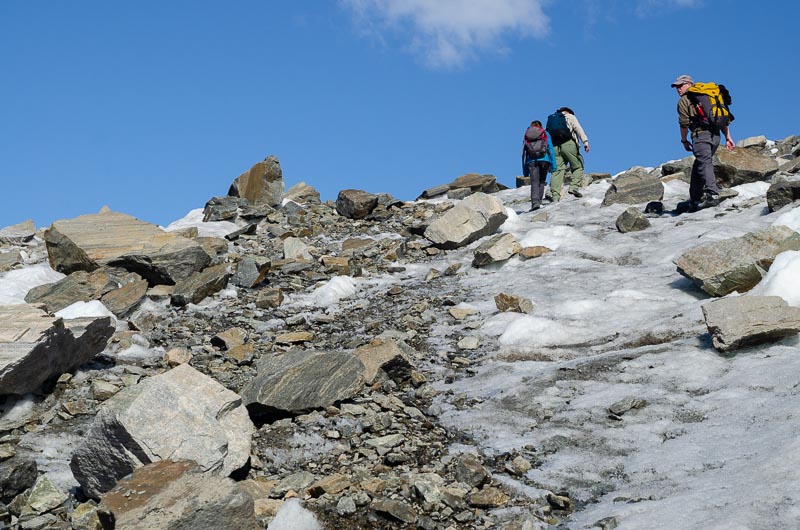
{"x":704,"y":145}
{"x":538,"y":173}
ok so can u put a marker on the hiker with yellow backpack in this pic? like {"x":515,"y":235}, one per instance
{"x":703,"y":110}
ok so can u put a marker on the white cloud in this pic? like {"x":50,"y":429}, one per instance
{"x":448,"y":33}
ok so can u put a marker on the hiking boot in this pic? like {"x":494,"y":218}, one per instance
{"x":694,"y":206}
{"x":575,"y":193}
{"x":535,"y":207}
{"x":710,"y":199}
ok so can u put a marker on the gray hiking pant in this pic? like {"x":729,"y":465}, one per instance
{"x":538,"y":173}
{"x":704,"y":145}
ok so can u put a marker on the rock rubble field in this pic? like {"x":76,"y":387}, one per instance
{"x":451,"y":362}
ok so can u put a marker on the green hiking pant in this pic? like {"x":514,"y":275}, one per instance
{"x":567,"y":153}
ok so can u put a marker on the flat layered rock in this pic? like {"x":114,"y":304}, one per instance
{"x":750,"y":320}
{"x":79,"y":286}
{"x":736,"y":264}
{"x":115,"y":239}
{"x":261,"y":184}
{"x":741,"y":166}
{"x":300,"y":381}
{"x":198,"y":286}
{"x":19,"y":233}
{"x":497,"y":248}
{"x":475,"y":182}
{"x":178,"y":415}
{"x":476,"y":216}
{"x":168,"y":495}
{"x":35,"y":346}
{"x":636,"y":186}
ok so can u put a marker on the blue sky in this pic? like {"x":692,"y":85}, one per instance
{"x":152,"y":108}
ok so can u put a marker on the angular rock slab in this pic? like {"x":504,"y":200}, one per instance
{"x":477,"y":183}
{"x":178,"y":415}
{"x":741,"y":166}
{"x":19,"y":233}
{"x":497,"y":248}
{"x":168,"y":495}
{"x":299,"y":381}
{"x":35,"y":346}
{"x":302,"y":193}
{"x":781,"y":193}
{"x":355,"y":204}
{"x":750,"y":320}
{"x":261,"y":184}
{"x":118,"y":240}
{"x":632,"y":220}
{"x":388,"y":356}
{"x":636,"y":186}
{"x":198,"y":286}
{"x":736,"y":264}
{"x":471,"y":219}
{"x":80,"y":286}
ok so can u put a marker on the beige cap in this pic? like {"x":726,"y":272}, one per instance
{"x":682,"y":80}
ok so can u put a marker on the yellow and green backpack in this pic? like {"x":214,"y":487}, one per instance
{"x":713,"y":105}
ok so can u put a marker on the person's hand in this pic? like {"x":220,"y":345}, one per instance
{"x":586,"y":146}
{"x":687,"y":145}
{"x":729,"y":143}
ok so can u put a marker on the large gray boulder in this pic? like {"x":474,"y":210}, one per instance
{"x":736,"y":264}
{"x":750,"y":320}
{"x":261,"y":184}
{"x":635,"y":186}
{"x":19,"y":233}
{"x":178,"y":415}
{"x":114,"y":239}
{"x":782,"y":192}
{"x":300,"y":381}
{"x":741,"y":166}
{"x":169,"y":495}
{"x":471,"y":219}
{"x":36,"y":346}
{"x":355,"y":204}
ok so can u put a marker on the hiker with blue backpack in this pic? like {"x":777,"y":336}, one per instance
{"x":537,"y":160}
{"x":567,"y":134}
{"x":703,"y":110}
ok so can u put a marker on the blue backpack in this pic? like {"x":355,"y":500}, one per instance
{"x":558,"y":129}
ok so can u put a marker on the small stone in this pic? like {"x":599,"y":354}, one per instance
{"x":488,"y":497}
{"x":7,"y":451}
{"x":396,"y":509}
{"x":533,"y":252}
{"x":470,"y":342}
{"x":559,"y":502}
{"x":346,"y":506}
{"x":295,"y":337}
{"x":460,"y":313}
{"x":177,"y":356}
{"x":103,"y":390}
